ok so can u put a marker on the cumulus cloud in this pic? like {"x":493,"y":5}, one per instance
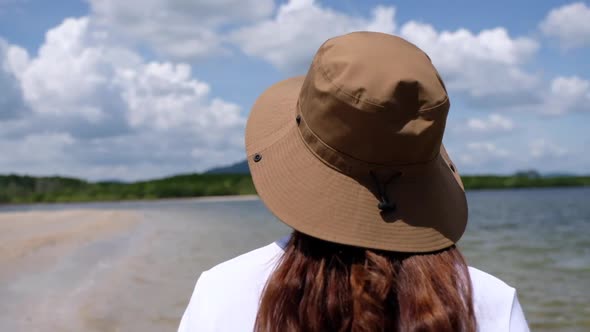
{"x":109,"y":107}
{"x":567,"y":94}
{"x":178,"y":28}
{"x":35,"y":149}
{"x":71,"y":75}
{"x":482,"y":154}
{"x":487,"y":156}
{"x":12,"y":104}
{"x":289,"y":40}
{"x":487,"y":148}
{"x":162,"y":96}
{"x":544,"y":149}
{"x":128,"y":157}
{"x":493,"y":123}
{"x":89,"y":103}
{"x":569,"y":24}
{"x":485,"y":67}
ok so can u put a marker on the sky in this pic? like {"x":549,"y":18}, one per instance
{"x":139,"y":89}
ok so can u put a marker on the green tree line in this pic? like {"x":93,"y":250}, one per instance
{"x":28,"y":189}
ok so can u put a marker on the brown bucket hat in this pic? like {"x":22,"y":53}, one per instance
{"x":352,"y":152}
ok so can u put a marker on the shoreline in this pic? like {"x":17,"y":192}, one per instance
{"x":244,"y":197}
{"x":215,"y":198}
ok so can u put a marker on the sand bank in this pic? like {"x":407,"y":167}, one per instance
{"x":121,"y":268}
{"x":54,"y":265}
{"x":25,"y":235}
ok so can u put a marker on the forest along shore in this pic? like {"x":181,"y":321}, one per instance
{"x":17,"y":189}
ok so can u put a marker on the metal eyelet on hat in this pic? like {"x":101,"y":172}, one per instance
{"x":452,"y":168}
{"x":257,"y":157}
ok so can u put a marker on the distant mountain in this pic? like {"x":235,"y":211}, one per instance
{"x":115,"y":181}
{"x":237,"y":168}
{"x":559,"y":175}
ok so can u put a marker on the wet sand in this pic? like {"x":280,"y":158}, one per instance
{"x":82,"y":270}
{"x":48,"y":270}
{"x":114,"y":269}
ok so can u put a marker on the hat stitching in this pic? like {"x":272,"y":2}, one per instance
{"x":340,"y":90}
{"x":431,"y":108}
{"x":270,"y":142}
{"x":369,"y":100}
{"x":304,"y":128}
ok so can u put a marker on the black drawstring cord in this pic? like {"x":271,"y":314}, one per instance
{"x":384,"y":204}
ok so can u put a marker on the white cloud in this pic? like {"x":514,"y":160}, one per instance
{"x":567,"y":94}
{"x":71,"y":74}
{"x":12,"y":104}
{"x":505,"y":156}
{"x":485,"y":67}
{"x":163,"y":96}
{"x":289,"y":40}
{"x":492,"y":124}
{"x":45,"y":149}
{"x":17,"y":59}
{"x":482,"y":154}
{"x":544,"y":149}
{"x":180,"y":28}
{"x":569,"y":24}
{"x":113,"y":110}
{"x":451,"y":48}
{"x":89,"y":104}
{"x":487,"y":148}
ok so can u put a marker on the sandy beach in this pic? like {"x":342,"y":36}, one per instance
{"x":48,"y":270}
{"x":82,"y":270}
{"x":117,"y":268}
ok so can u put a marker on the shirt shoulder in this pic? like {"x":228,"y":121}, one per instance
{"x":253,"y":262}
{"x":493,"y":301}
{"x":480,"y":277}
{"x":231,"y":289}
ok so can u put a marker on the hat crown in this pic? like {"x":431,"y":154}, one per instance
{"x":376,"y":98}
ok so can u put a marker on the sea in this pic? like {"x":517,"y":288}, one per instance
{"x":536,"y":240}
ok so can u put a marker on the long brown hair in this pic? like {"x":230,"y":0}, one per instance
{"x":322,"y":286}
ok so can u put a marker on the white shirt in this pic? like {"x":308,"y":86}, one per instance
{"x":226,"y":297}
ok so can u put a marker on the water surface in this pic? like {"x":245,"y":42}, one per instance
{"x":536,"y":240}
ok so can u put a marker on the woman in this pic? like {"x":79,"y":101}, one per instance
{"x":351,"y":157}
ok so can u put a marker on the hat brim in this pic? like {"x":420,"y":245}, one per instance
{"x":317,"y":200}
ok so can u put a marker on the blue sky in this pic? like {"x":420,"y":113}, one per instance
{"x":140,"y":89}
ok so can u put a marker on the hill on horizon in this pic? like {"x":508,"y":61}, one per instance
{"x":237,"y":168}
